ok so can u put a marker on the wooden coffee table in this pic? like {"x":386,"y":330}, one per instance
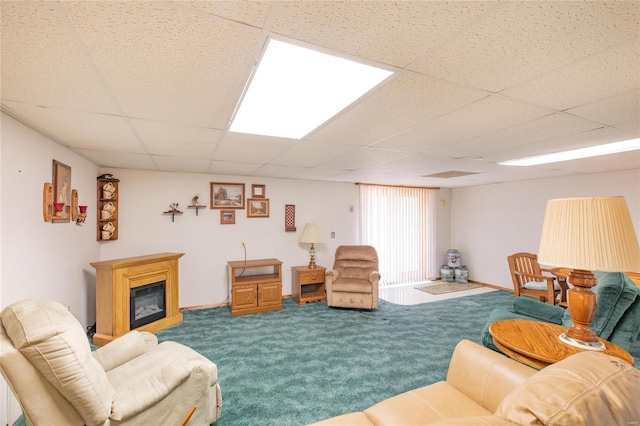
{"x":536,"y":343}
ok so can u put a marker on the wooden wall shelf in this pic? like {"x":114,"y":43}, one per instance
{"x":107,"y":195}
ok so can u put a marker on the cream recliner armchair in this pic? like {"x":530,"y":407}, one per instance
{"x":353,"y":281}
{"x":47,"y":361}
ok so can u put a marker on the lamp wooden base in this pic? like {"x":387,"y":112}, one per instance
{"x":582,"y":305}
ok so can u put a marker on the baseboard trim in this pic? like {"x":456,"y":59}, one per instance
{"x":215,"y":305}
{"x":288,"y":296}
{"x":491,"y":286}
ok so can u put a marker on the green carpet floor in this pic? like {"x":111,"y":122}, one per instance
{"x":307,"y":363}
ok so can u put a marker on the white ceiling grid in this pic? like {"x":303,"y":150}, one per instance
{"x":153,"y":85}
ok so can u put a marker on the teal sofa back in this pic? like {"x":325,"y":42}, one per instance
{"x":617,"y":317}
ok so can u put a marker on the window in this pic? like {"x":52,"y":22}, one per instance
{"x":399,"y":223}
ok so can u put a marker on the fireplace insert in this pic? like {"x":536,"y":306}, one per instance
{"x":147,"y":304}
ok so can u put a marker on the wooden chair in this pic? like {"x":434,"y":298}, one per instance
{"x":528,"y":279}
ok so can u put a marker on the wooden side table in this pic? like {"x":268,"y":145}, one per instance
{"x":536,"y":343}
{"x":307,"y":284}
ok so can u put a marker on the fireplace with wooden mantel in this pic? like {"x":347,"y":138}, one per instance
{"x":114,"y":281}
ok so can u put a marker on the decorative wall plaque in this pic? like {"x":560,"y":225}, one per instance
{"x":289,"y":218}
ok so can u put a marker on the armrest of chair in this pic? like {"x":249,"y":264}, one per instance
{"x":147,"y":393}
{"x":374,"y":277}
{"x":331,"y":275}
{"x":552,"y":285}
{"x":484,"y":375}
{"x":124,"y":348}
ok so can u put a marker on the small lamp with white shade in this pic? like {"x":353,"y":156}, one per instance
{"x":310,"y":235}
{"x":585,"y":235}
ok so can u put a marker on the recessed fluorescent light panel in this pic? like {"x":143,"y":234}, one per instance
{"x":294,"y":90}
{"x":575,"y":154}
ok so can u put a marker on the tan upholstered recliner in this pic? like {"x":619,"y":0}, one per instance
{"x":47,"y":361}
{"x":353,"y":281}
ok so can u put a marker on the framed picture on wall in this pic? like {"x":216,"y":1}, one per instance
{"x":258,"y":207}
{"x":227,"y":195}
{"x":62,"y":190}
{"x":258,"y":191}
{"x":227,"y":217}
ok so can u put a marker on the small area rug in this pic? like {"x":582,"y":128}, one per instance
{"x":446,"y":287}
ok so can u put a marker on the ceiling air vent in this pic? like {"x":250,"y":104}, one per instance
{"x":450,"y":174}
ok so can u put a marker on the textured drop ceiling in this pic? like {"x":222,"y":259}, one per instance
{"x":153,"y":85}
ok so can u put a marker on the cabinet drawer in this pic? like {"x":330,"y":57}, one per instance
{"x":312,"y":277}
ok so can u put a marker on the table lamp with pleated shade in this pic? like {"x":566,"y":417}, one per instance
{"x":586,"y":235}
{"x":311,"y":235}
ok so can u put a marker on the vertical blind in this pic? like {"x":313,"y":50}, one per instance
{"x":399,"y":223}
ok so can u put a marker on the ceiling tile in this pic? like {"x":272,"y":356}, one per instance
{"x":309,"y":154}
{"x":363,"y":157}
{"x":318,"y":173}
{"x":252,"y":13}
{"x":621,"y":161}
{"x":239,"y":147}
{"x":474,"y":120}
{"x":82,"y":130}
{"x":522,"y":40}
{"x":277,"y":171}
{"x":231,"y":168}
{"x":614,"y":110}
{"x":176,"y":164}
{"x":539,"y":129}
{"x":163,"y":64}
{"x":365,"y":30}
{"x":509,"y":174}
{"x":599,"y":76}
{"x":406,"y":101}
{"x":120,"y":160}
{"x":564,"y":143}
{"x":42,"y":64}
{"x":418,"y":164}
{"x":175,"y":140}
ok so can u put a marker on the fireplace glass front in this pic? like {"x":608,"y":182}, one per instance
{"x":147,"y":304}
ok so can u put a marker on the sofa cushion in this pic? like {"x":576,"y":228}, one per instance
{"x":352,"y":285}
{"x":498,"y":314}
{"x":534,"y":308}
{"x":540,"y":285}
{"x":352,"y":419}
{"x":55,"y":343}
{"x":475,"y":421}
{"x":588,"y":388}
{"x":628,"y":328}
{"x":616,"y":292}
{"x":425,"y":405}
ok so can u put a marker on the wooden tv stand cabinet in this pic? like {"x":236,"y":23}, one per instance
{"x":255,"y":286}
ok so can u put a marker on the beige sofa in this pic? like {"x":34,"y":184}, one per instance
{"x":484,"y":387}
{"x":47,"y":361}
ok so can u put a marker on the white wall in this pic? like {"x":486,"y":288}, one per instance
{"x":490,"y":222}
{"x":43,"y":259}
{"x":209,"y":245}
{"x":40,"y":259}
